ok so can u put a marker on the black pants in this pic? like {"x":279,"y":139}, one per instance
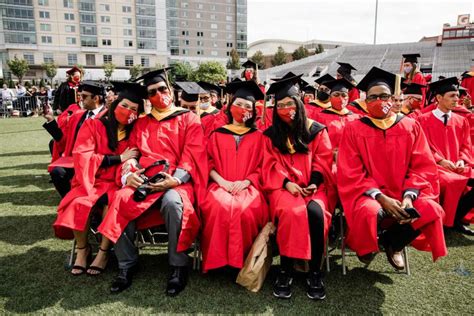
{"x":61,"y":178}
{"x":396,"y":236}
{"x":466,"y":203}
{"x":316,"y":232}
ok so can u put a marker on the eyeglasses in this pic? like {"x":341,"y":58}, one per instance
{"x":85,"y":96}
{"x":204,"y":98}
{"x":152,"y":92}
{"x":324,"y":89}
{"x":374,"y":97}
{"x":286,"y":105}
{"x":338,"y":94}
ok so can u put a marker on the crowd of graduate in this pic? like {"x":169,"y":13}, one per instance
{"x":216,"y":163}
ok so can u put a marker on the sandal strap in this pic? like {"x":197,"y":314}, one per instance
{"x":104,"y":250}
{"x":98,"y":269}
{"x":81,"y":248}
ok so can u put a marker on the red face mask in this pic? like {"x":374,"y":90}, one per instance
{"x":76,"y":79}
{"x":239,"y":114}
{"x":161,"y":100}
{"x":338,"y":103}
{"x":379,"y":109}
{"x":306,"y":100}
{"x":125,"y":116}
{"x":287,"y":114}
{"x":248,"y":74}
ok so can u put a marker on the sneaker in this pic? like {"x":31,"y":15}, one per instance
{"x":282,"y":286}
{"x":315,"y":284}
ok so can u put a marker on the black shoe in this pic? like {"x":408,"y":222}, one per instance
{"x":122,"y":281}
{"x":282,"y":286}
{"x":177,"y":280}
{"x":315,"y":284}
{"x":461,"y":228}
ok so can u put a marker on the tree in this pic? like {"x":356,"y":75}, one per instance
{"x":300,"y":53}
{"x":320,"y":48}
{"x":18,"y":67}
{"x":136,"y":71}
{"x":51,"y":70}
{"x":258,"y":59}
{"x":211,"y":71}
{"x":182,"y":71}
{"x":234,"y":61}
{"x":280,"y":57}
{"x":108,"y":70}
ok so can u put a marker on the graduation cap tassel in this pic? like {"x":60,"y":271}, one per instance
{"x":398,"y":81}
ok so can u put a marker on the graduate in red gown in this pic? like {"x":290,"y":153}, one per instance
{"x":345,"y":71}
{"x":412,"y":74}
{"x":296,"y":175}
{"x":468,"y":80}
{"x":450,"y":141}
{"x":388,"y":169}
{"x":211,"y":117}
{"x":101,"y":147}
{"x":321,"y":101}
{"x":169,"y":137}
{"x":412,"y":100}
{"x":234,"y":210}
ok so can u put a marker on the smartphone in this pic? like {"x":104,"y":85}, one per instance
{"x":412,"y":212}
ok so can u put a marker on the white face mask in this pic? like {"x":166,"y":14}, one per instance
{"x":407,"y":69}
{"x":204,"y":106}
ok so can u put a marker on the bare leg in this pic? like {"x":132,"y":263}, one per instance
{"x":102,"y":257}
{"x":82,"y":249}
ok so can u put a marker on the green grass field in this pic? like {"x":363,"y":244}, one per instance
{"x":33,"y":278}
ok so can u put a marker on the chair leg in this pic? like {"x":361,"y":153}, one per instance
{"x":73,"y":252}
{"x":407,"y":265}
{"x":328,"y":269}
{"x":343,"y":243}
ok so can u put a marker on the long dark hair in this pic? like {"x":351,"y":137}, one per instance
{"x":250,"y":122}
{"x":111,"y":124}
{"x":298,"y":132}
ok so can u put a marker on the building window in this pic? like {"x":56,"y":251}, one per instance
{"x":228,"y":27}
{"x":185,"y":14}
{"x":90,"y":59}
{"x":214,"y":53}
{"x":127,"y":20}
{"x":107,"y":59}
{"x":214,"y":26}
{"x":185,"y":52}
{"x":213,"y":35}
{"x":200,"y":6}
{"x":126,"y":9}
{"x":214,"y":44}
{"x":68,"y":4}
{"x":71,"y":59}
{"x":198,"y":15}
{"x":228,"y":53}
{"x":230,"y":44}
{"x":44,"y":3}
{"x":71,"y":40}
{"x":70,"y":29}
{"x":186,"y":42}
{"x":104,"y":7}
{"x":145,"y":61}
{"x":200,"y":52}
{"x":30,"y":58}
{"x":127,"y":32}
{"x":88,"y":41}
{"x":48,"y":58}
{"x":174,"y":51}
{"x":128,"y":61}
{"x":106,"y":42}
{"x":69,"y":16}
{"x":200,"y":43}
{"x":44,"y":14}
{"x":46,"y":39}
{"x":213,"y":7}
{"x":127,"y":43}
{"x":45,"y":27}
{"x":105,"y":19}
{"x":184,"y":23}
{"x":88,"y":30}
{"x":228,"y":18}
{"x":184,"y":5}
{"x":185,"y":33}
{"x":200,"y":34}
{"x":87,"y":18}
{"x":106,"y":31}
{"x":213,"y":16}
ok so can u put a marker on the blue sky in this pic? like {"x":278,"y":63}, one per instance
{"x":352,"y":21}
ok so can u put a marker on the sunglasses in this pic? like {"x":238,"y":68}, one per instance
{"x":339,"y":94}
{"x":153,"y":92}
{"x":204,"y":98}
{"x":383,"y":97}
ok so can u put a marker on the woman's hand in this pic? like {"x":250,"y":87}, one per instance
{"x":134,"y":180}
{"x":309,"y":190}
{"x":129,"y":153}
{"x":238,"y":186}
{"x":293,"y":188}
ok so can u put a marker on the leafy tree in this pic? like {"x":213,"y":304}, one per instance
{"x":211,"y":71}
{"x":181,"y":71}
{"x":234,"y":61}
{"x":136,"y":71}
{"x":108,"y":70}
{"x":18,"y":67}
{"x":300,"y":53}
{"x":320,"y":48}
{"x":51,"y":70}
{"x":258,"y":59}
{"x":280,"y":57}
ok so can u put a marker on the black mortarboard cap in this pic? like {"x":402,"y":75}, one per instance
{"x":236,"y":80}
{"x":324,"y":79}
{"x":339,"y":85}
{"x":285,"y":88}
{"x":130,"y":90}
{"x":445,"y":85}
{"x":413,"y":88}
{"x":345,"y":68}
{"x":73,"y":70}
{"x":249,"y":64}
{"x":411,"y":58}
{"x":154,"y":76}
{"x":94,"y":87}
{"x":191,"y":91}
{"x":209,"y":87}
{"x":441,"y":77}
{"x":248,"y":90}
{"x":309,"y":89}
{"x":375,"y":77}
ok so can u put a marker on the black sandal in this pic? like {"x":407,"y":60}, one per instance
{"x":82,"y":268}
{"x":98,"y":269}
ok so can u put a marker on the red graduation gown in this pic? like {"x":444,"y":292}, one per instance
{"x":268,"y":119}
{"x":287,"y":211}
{"x":451,"y":142}
{"x":419,"y":79}
{"x":355,"y":107}
{"x":468,"y":83}
{"x":232,"y":222}
{"x":313,"y":108}
{"x":335,"y":124}
{"x":179,"y":139}
{"x":63,"y":121}
{"x":90,"y":180}
{"x":393,"y":161}
{"x":210,"y":122}
{"x":354,"y":94}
